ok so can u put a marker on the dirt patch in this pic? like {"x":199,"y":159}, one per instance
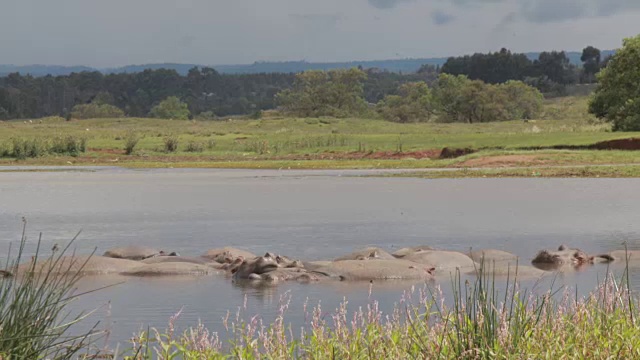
{"x":620,"y":144}
{"x":447,"y":153}
{"x":503,"y":161}
{"x":107,"y":151}
{"x":377,"y":155}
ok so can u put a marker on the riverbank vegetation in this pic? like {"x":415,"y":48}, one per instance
{"x":35,"y":319}
{"x":480,"y":322}
{"x":563,"y":134}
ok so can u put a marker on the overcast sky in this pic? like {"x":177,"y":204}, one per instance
{"x":107,"y":33}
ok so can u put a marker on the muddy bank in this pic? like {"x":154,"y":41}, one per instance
{"x":618,"y":144}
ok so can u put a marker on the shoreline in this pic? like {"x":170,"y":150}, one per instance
{"x":538,"y":171}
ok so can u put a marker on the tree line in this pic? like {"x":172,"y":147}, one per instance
{"x":451,"y":98}
{"x":550,"y":73}
{"x":205,"y":91}
{"x":209,"y":94}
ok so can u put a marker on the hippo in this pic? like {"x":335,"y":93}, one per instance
{"x":492,"y":256}
{"x":370,"y":253}
{"x":357,"y":270}
{"x":620,"y":256}
{"x":411,"y":250}
{"x":252,"y":268}
{"x":443,"y":261}
{"x":185,"y":259}
{"x":136,"y":253}
{"x":227,"y":255}
{"x":78,"y":265}
{"x":507,"y":269}
{"x":269,"y":267}
{"x":169,"y":269}
{"x":563,"y":257}
{"x":288,"y":274}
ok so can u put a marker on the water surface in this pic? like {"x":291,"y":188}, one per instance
{"x":303,"y":214}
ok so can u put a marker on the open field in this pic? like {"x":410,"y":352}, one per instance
{"x":321,"y":143}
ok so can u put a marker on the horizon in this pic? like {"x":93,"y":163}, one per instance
{"x":287,"y":61}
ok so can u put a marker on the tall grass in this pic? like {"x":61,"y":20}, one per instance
{"x":130,"y":142}
{"x":480,"y":323}
{"x":35,"y":322}
{"x":21,"y":148}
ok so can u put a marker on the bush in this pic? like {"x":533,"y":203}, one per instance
{"x":194,"y":146}
{"x":130,"y":142}
{"x":96,"y":111}
{"x":171,"y":108}
{"x":31,"y":148}
{"x":171,"y":143}
{"x":206,"y":115}
{"x":69,"y":145}
{"x":33,"y":311}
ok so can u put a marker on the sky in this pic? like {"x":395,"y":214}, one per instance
{"x":109,"y":33}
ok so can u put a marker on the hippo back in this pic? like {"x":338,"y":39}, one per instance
{"x":132,"y":252}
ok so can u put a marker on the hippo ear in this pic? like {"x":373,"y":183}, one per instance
{"x":431,"y":270}
{"x":562,"y":247}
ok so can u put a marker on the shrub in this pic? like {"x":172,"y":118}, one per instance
{"x":171,"y":143}
{"x":130,"y":142}
{"x":171,"y":108}
{"x":96,"y":111}
{"x":206,"y":115}
{"x":70,"y":145}
{"x":29,"y":148}
{"x":194,"y":146}
{"x":5,"y":150}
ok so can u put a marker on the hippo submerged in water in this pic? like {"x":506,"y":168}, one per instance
{"x":421,"y":263}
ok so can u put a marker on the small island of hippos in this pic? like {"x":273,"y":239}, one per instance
{"x":369,"y":264}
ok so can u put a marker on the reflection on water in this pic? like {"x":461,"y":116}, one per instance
{"x":307,"y":215}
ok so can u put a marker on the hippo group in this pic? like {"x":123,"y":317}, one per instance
{"x":421,"y":263}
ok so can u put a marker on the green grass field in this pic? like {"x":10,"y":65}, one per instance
{"x":280,"y":142}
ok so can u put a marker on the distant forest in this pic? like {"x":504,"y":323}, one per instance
{"x":205,"y":89}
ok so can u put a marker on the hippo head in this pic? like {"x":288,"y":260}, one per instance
{"x":264,"y":264}
{"x":580,"y":258}
{"x":547,"y":257}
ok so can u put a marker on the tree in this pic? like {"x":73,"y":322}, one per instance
{"x":617,"y":97}
{"x":315,"y":93}
{"x":414,"y":103}
{"x":448,"y":98}
{"x":171,"y":108}
{"x":591,"y":63}
{"x":521,"y":100}
{"x":556,"y":66}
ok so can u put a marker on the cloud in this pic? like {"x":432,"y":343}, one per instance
{"x":316,"y":20}
{"x":549,"y":11}
{"x":387,"y":4}
{"x":440,"y":17}
{"x":546,"y":11}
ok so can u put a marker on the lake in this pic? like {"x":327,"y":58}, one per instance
{"x":310,"y":215}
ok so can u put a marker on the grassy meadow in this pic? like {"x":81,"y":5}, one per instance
{"x":275,"y":141}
